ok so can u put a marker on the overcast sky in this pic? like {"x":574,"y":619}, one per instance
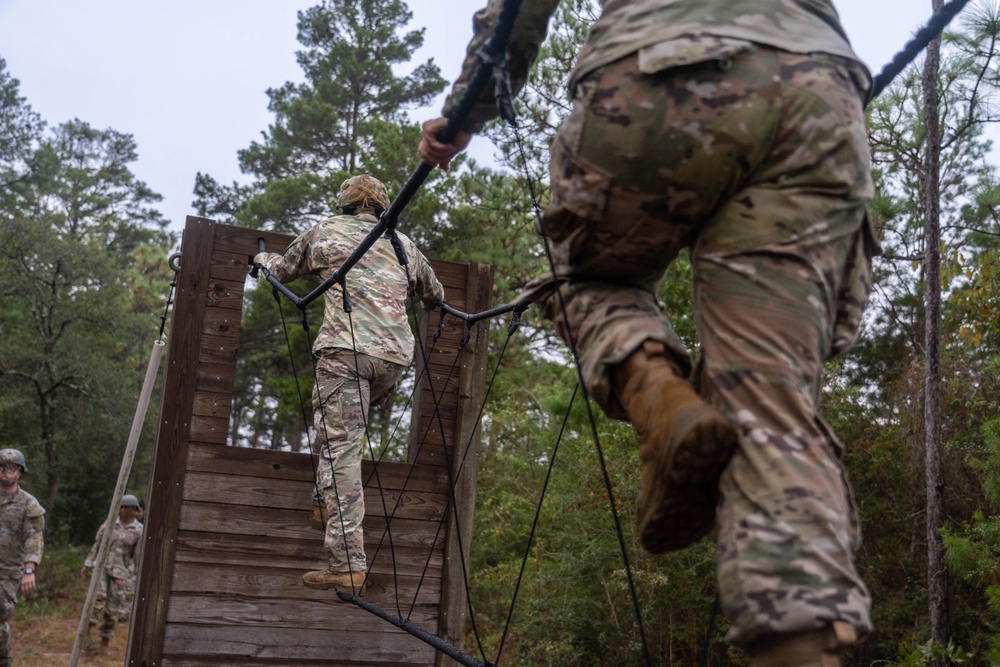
{"x":187,"y":78}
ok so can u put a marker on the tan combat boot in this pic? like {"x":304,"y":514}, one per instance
{"x":342,"y":582}
{"x":814,"y":648}
{"x":684,"y":445}
{"x":319,"y":517}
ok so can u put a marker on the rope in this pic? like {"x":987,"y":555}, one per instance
{"x":534,"y":522}
{"x":590,"y":412}
{"x":912,"y":49}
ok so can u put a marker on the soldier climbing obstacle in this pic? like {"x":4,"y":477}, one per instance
{"x":359,"y":356}
{"x":734,"y":129}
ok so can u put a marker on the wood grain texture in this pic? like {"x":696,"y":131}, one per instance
{"x":228,"y":534}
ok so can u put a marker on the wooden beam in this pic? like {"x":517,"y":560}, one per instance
{"x":166,"y":481}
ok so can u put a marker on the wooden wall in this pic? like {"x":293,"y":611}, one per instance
{"x":227,"y":530}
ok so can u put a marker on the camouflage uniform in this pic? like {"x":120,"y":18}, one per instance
{"x":22,"y":523}
{"x":120,"y":572}
{"x":704,"y":125}
{"x":379,"y":331}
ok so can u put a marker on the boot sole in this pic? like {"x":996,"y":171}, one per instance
{"x":679,"y":509}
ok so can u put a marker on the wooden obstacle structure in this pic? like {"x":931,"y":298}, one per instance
{"x":227,"y":529}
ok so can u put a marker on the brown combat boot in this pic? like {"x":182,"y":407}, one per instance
{"x":684,"y":445}
{"x":814,"y":648}
{"x":319,"y":517}
{"x":342,"y":582}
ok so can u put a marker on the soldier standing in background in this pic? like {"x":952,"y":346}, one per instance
{"x":22,"y":523}
{"x":359,"y":356}
{"x":120,"y":571}
{"x":735,"y":129}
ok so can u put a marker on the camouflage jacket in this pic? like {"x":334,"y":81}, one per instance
{"x":377,"y":285}
{"x":22,"y":524}
{"x":123,"y":552}
{"x":628,"y":26}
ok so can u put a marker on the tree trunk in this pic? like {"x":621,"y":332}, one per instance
{"x":937,"y":581}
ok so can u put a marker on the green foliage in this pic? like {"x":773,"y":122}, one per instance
{"x":973,"y":549}
{"x":81,"y":251}
{"x":574,"y":604}
{"x":929,"y":653}
{"x":335,"y":123}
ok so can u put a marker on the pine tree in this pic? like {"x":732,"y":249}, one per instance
{"x":326,"y":127}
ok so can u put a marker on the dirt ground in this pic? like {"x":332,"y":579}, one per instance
{"x":48,"y":642}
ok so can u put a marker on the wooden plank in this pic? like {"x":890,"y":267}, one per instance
{"x":242,"y":241}
{"x":227,"y":661}
{"x":292,"y":613}
{"x":209,"y":429}
{"x":215,"y":377}
{"x":260,"y":492}
{"x":227,"y":266}
{"x":270,"y":464}
{"x":465,"y":466}
{"x":219,"y":549}
{"x":166,"y":477}
{"x":222,"y":322}
{"x":295,"y":646}
{"x":213,"y":404}
{"x":218,"y":350}
{"x":287,"y":524}
{"x":227,"y":294}
{"x":249,"y":581}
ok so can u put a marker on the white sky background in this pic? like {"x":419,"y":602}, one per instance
{"x":187,"y":78}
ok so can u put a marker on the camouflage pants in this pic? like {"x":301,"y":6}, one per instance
{"x":340,"y":426}
{"x":126,"y":611}
{"x":7,"y":603}
{"x":109,"y":604}
{"x":756,"y":160}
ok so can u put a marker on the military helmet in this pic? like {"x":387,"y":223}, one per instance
{"x":9,"y":455}
{"x":363,"y":191}
{"x":128,"y":500}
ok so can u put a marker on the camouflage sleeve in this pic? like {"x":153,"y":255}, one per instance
{"x":426,"y":283}
{"x":34,"y":531}
{"x":294,"y":263}
{"x":529,"y":32}
{"x":92,"y":556}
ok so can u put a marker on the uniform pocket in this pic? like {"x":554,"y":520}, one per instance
{"x":690,"y":51}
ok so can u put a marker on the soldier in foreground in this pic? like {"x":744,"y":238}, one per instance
{"x":359,"y":356}
{"x":734,"y":129}
{"x":22,"y":523}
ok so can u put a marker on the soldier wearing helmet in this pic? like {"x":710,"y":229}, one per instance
{"x":22,"y":523}
{"x":378,"y":332}
{"x":113,"y":601}
{"x":360,"y":192}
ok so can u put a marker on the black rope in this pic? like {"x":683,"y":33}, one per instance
{"x":703,"y":658}
{"x":175,"y":267}
{"x":404,"y":624}
{"x":295,"y":373}
{"x":492,"y":52}
{"x":534,"y":522}
{"x":571,"y":342}
{"x":912,"y":49}
{"x":452,"y":482}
